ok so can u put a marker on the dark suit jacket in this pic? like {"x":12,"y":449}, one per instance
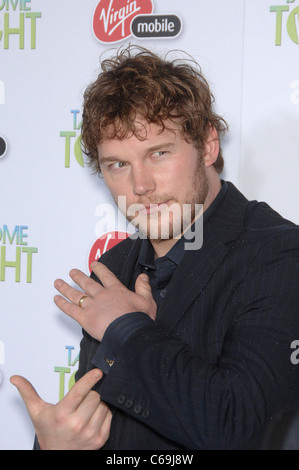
{"x":215,"y":366}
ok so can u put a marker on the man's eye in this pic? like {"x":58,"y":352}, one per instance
{"x":160,"y":153}
{"x":118,"y":165}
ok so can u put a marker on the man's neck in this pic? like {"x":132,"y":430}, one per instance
{"x":161,"y":247}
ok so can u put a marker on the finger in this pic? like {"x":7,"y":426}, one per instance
{"x":88,"y":406}
{"x":87,"y":284}
{"x":143,"y":287}
{"x":70,"y":309}
{"x":28,"y":393}
{"x":80,"y":390}
{"x":105,"y":429}
{"x":101,"y":419}
{"x":104,"y":274}
{"x":99,"y":425}
{"x":72,"y":294}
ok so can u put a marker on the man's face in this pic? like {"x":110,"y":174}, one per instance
{"x":156,"y":175}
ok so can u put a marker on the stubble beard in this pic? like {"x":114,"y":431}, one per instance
{"x":179,"y":216}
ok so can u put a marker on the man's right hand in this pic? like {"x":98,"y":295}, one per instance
{"x":80,"y":421}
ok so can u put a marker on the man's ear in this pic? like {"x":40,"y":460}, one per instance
{"x":211,"y":147}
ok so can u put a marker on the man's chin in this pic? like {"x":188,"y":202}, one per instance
{"x":158,"y":233}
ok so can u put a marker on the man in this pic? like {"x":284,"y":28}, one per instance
{"x":192,"y":346}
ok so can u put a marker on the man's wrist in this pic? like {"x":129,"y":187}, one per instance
{"x":116,"y":335}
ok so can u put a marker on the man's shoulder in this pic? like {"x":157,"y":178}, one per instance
{"x":268,"y":232}
{"x":263,"y":218}
{"x":254,"y":223}
{"x":258,"y":216}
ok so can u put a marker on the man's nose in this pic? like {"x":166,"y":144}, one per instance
{"x":143,"y":181}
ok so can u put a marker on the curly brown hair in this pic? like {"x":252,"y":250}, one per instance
{"x":137,"y":83}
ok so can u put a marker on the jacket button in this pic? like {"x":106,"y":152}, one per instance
{"x":145,"y":413}
{"x":129,"y":404}
{"x":121,"y":399}
{"x":137,"y":409}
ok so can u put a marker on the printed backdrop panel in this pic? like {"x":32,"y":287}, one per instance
{"x":270,"y":106}
{"x":55,"y":214}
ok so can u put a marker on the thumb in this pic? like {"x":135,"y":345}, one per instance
{"x":28,"y":393}
{"x":143,"y":287}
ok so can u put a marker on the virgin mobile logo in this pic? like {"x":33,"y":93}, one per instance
{"x":112,"y":18}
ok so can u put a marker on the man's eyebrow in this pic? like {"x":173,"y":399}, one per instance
{"x":109,"y":159}
{"x":159,"y":146}
{"x":113,"y":158}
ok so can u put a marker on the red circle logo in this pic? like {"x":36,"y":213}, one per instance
{"x":112,"y":18}
{"x":104,"y":243}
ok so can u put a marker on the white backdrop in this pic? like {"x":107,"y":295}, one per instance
{"x":49,"y":199}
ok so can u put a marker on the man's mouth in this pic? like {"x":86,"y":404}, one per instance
{"x":152,"y":208}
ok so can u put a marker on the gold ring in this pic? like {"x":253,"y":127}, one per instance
{"x":81,"y":300}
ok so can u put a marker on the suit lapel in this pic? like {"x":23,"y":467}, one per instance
{"x":128,"y":263}
{"x":190,"y":278}
{"x":197,"y":267}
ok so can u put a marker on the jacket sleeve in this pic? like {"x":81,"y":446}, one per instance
{"x":222,"y":405}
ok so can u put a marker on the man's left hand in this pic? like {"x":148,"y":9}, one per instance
{"x":104,"y":303}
